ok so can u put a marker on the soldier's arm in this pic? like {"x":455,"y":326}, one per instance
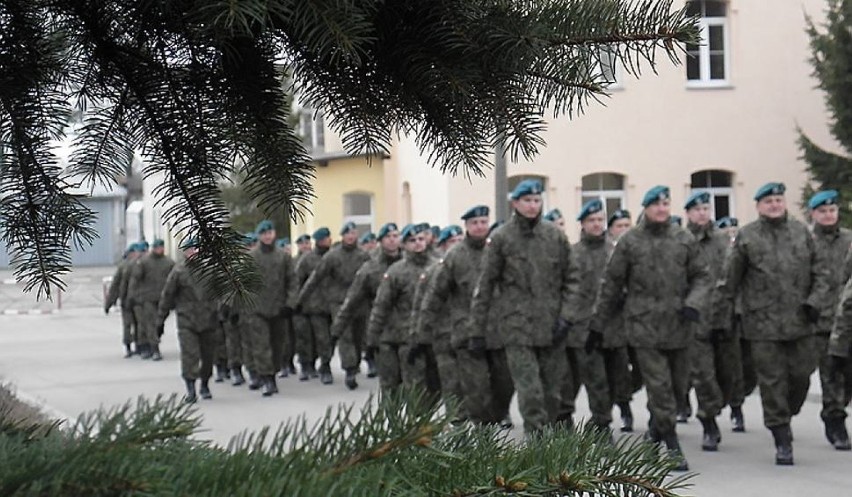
{"x":291,"y":287}
{"x":168,"y":294}
{"x":355,"y":295}
{"x":820,"y":276}
{"x":570,"y":293}
{"x":613,"y":282}
{"x":736,"y":263}
{"x":492,"y":268}
{"x":839,"y":342}
{"x":435,"y":295}
{"x":114,"y":287}
{"x":419,"y":330}
{"x":698,"y":276}
{"x":723,"y":307}
{"x":314,"y":279}
{"x":136,"y":277}
{"x":381,"y":309}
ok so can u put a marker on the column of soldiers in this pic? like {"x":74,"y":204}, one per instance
{"x":481,"y":312}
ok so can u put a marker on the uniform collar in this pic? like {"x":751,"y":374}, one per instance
{"x":592,"y":240}
{"x":832,"y":230}
{"x":475,"y":243}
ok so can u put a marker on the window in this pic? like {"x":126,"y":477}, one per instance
{"x":707,"y":62}
{"x":608,"y":187}
{"x":358,"y":208}
{"x":312,"y":129}
{"x":719,"y":184}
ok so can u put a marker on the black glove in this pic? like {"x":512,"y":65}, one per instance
{"x":476,"y":346}
{"x":161,"y":328}
{"x":560,"y":330}
{"x":415,"y":352}
{"x":297,"y":309}
{"x":593,"y":341}
{"x":836,"y":365}
{"x":690,"y":314}
{"x":811,"y":313}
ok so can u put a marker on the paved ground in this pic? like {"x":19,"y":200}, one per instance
{"x":84,"y":288}
{"x":72,"y":362}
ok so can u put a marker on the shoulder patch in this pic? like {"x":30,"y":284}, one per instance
{"x":385,"y":276}
{"x":422,"y":276}
{"x":488,"y":241}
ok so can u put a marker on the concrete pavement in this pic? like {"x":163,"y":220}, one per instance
{"x":71,"y":362}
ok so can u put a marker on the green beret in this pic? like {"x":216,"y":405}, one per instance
{"x":527,"y":187}
{"x":697,"y":198}
{"x":476,"y":211}
{"x":387,"y":228}
{"x":769,"y":189}
{"x":263,"y":226}
{"x":656,"y":194}
{"x":322,"y":234}
{"x":589,"y":208}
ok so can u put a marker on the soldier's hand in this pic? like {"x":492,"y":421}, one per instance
{"x":476,"y":346}
{"x":594,"y":341}
{"x":690,"y":314}
{"x":415,"y":352}
{"x":836,"y":365}
{"x":811,"y":313}
{"x":560,"y":330}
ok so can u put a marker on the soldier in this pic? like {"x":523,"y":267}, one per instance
{"x":714,"y":348}
{"x":368,"y":242}
{"x":582,"y":347}
{"x":289,"y":348}
{"x":657,"y":274}
{"x":330,"y":281}
{"x":146,"y":283}
{"x":283,"y":244}
{"x":303,"y":246}
{"x":729,"y":225}
{"x":839,"y":364}
{"x":312,"y":319}
{"x":527,"y":279}
{"x":388,"y":328}
{"x":774,"y":265}
{"x":273,"y":304}
{"x":196,"y":322}
{"x":118,"y":291}
{"x":832,"y":243}
{"x":362,"y":292}
{"x":555,"y":216}
{"x":237,"y":335}
{"x":450,"y":236}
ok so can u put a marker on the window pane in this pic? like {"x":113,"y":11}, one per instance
{"x":717,"y":66}
{"x":693,"y":8}
{"x":714,"y":8}
{"x":364,"y":228}
{"x":612,"y":181}
{"x":723,"y":207}
{"x":717,"y":37}
{"x":612,"y":205}
{"x":693,"y":67}
{"x":591,"y":182}
{"x":701,"y":179}
{"x":720,"y":178}
{"x":356,"y":204}
{"x":588,"y":199}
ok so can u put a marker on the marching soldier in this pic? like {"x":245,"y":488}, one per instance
{"x":368,"y":242}
{"x":118,"y":291}
{"x":311,"y":318}
{"x":146,"y":283}
{"x":774,"y":265}
{"x":555,"y":216}
{"x":659,"y":266}
{"x":527,"y":280}
{"x":450,"y":236}
{"x":303,"y":246}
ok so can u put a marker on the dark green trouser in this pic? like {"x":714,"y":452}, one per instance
{"x":588,"y":370}
{"x":836,"y":390}
{"x":196,"y":353}
{"x":423,"y":373}
{"x":313,"y":337}
{"x":666,"y":377}
{"x":447,"y":362}
{"x":783,"y":371}
{"x":617,"y":363}
{"x":636,"y":380}
{"x":267,"y":337}
{"x":713,"y":372}
{"x":288,"y":342}
{"x":537,"y":373}
{"x":389,"y":361}
{"x":236,"y":344}
{"x":351,"y":343}
{"x":745,"y":378}
{"x":128,"y":326}
{"x":220,"y":354}
{"x":486,"y":385}
{"x":146,"y":322}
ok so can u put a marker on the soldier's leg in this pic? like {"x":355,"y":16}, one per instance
{"x":390,"y":374}
{"x":208,"y":346}
{"x":276,"y":341}
{"x":553,"y":366}
{"x":833,"y":405}
{"x":233,"y":345}
{"x":246,"y":334}
{"x":126,"y":326}
{"x":636,"y":380}
{"x":726,"y":368}
{"x":477,"y":393}
{"x":349,"y":345}
{"x":149,"y":310}
{"x":802,"y":362}
{"x":416,"y":374}
{"x":139,"y":319}
{"x":660,"y":386}
{"x":261,"y":350}
{"x":447,"y":365}
{"x":750,"y":379}
{"x":771,"y":367}
{"x":702,"y":353}
{"x":287,"y":344}
{"x":304,"y":339}
{"x":617,"y":363}
{"x":569,"y":386}
{"x":594,"y":378}
{"x":322,"y":337}
{"x":524,"y":367}
{"x":502,"y":388}
{"x":190,"y":353}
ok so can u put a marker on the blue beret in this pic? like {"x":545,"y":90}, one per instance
{"x":553,"y":215}
{"x":619,"y":214}
{"x":825,"y":197}
{"x":158,"y":242}
{"x":282,"y":242}
{"x":189,"y":242}
{"x":349,"y":226}
{"x":697,"y":197}
{"x":727,"y":222}
{"x":263,"y":226}
{"x":496,"y":225}
{"x":526,"y":187}
{"x":303,"y":238}
{"x":676,"y":220}
{"x":770,"y":189}
{"x":322,"y":234}
{"x":476,"y":211}
{"x":436,"y":231}
{"x":367,"y":237}
{"x":656,"y":194}
{"x":449,"y":232}
{"x":589,"y":208}
{"x":250,"y":238}
{"x":387,"y":228}
{"x":142,"y":246}
{"x":412,"y":230}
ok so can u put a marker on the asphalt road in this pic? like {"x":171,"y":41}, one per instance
{"x":71,"y":362}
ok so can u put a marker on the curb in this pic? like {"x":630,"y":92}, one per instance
{"x":30,"y":312}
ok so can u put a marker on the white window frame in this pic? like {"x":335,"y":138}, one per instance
{"x":361,"y":219}
{"x":720,"y":191}
{"x":704,"y":25}
{"x":604,"y":195}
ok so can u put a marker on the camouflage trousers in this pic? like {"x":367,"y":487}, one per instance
{"x":196,"y":353}
{"x":288,"y":342}
{"x":537,"y":373}
{"x":220,"y":354}
{"x":447,"y":362}
{"x":836,"y":390}
{"x":666,"y":377}
{"x":128,"y":326}
{"x":617,"y":364}
{"x":267,"y":343}
{"x":312,"y":338}
{"x":352,"y":343}
{"x":146,"y":323}
{"x":423,"y":374}
{"x":714,"y":368}
{"x":783,"y":372}
{"x":636,"y":380}
{"x":486,"y":385}
{"x":237,"y":344}
{"x":394,"y":370}
{"x":588,"y":370}
{"x":745,"y":377}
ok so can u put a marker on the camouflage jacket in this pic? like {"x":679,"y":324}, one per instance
{"x":313,"y":303}
{"x":613,"y":327}
{"x":775,"y":268}
{"x":118,"y":286}
{"x":832,"y":245}
{"x":528,"y":277}
{"x":183,"y":292}
{"x":334,"y":274}
{"x":391,"y":314}
{"x":656,"y":269}
{"x":278,"y":280}
{"x":714,"y":246}
{"x":148,"y":277}
{"x":362,"y":292}
{"x":590,"y":255}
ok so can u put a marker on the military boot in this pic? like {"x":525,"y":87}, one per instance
{"x":255,"y":381}
{"x":841,"y":436}
{"x":566,"y":420}
{"x":190,"y":392}
{"x":371,"y":368}
{"x":285,"y":372}
{"x":350,"y":381}
{"x":304,"y":375}
{"x":684,"y":411}
{"x":269,"y":386}
{"x":673,"y":447}
{"x":221,"y":371}
{"x":626,"y":417}
{"x":312,"y":370}
{"x":829,"y":429}
{"x":128,"y":352}
{"x":325,"y":374}
{"x":507,"y":423}
{"x":204,"y":391}
{"x":783,"y":445}
{"x":237,"y":375}
{"x":737,"y":419}
{"x":145,"y":351}
{"x":712,"y":436}
{"x":155,"y":355}
{"x":291,"y":368}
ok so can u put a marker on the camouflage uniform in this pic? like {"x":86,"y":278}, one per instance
{"x":312,"y":320}
{"x":484,"y":382}
{"x":616,"y":355}
{"x":840,"y":345}
{"x":146,"y":283}
{"x":237,"y":344}
{"x":118,"y":291}
{"x":661,"y":269}
{"x":527,"y":279}
{"x":774,"y":266}
{"x":196,"y":321}
{"x":336,"y":271}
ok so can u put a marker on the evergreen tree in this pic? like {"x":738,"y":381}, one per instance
{"x":196,"y":86}
{"x":831,"y":56}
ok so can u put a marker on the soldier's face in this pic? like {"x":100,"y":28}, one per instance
{"x":324,"y":243}
{"x":477,"y":227}
{"x":350,"y":237}
{"x":190,"y":252}
{"x":593,"y":224}
{"x":659,"y":212}
{"x":453,"y":240}
{"x":528,"y":206}
{"x":390,"y":242}
{"x":826,"y":215}
{"x":618,"y":227}
{"x":369,"y":245}
{"x":304,"y":246}
{"x":772,"y":206}
{"x":699,"y":214}
{"x":416,"y":243}
{"x":267,"y":237}
{"x":159,"y":250}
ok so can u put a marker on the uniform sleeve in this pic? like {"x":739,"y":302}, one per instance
{"x":838,"y":343}
{"x":723,"y":307}
{"x":570,"y":292}
{"x":847,"y":266}
{"x":419,"y":330}
{"x":480,"y":305}
{"x":114,"y":287}
{"x":314,"y":279}
{"x":611,"y":291}
{"x":736,"y":263}
{"x":820,"y":276}
{"x":167,"y":296}
{"x":136,"y":278}
{"x":435,"y":295}
{"x":354,"y":298}
{"x":700,"y":282}
{"x":381,"y":309}
{"x":291,"y":287}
